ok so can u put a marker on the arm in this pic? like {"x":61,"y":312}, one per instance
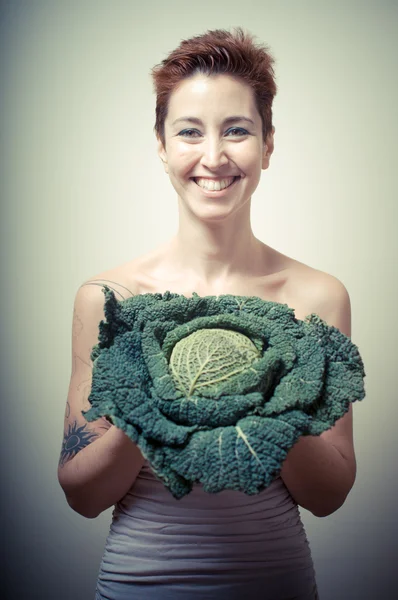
{"x":319,"y":471}
{"x":98,"y":462}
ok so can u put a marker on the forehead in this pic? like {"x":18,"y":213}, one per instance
{"x":216,"y":93}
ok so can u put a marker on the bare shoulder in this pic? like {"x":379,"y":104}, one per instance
{"x":130,"y":278}
{"x":315,"y":291}
{"x":320,"y":287}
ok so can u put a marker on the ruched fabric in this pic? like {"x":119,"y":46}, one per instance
{"x":223,"y":546}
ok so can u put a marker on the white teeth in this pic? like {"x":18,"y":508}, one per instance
{"x":211,"y":185}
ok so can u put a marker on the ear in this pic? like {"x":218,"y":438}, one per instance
{"x":162,"y":154}
{"x":268,"y":149}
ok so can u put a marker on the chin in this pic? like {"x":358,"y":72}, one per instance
{"x":214,"y":214}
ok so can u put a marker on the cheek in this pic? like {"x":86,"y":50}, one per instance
{"x":247,"y":158}
{"x":184,"y":161}
{"x":251,"y":168}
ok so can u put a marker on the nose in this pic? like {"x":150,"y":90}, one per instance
{"x":213,"y":154}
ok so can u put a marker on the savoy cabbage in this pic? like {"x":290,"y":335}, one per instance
{"x":217,"y":390}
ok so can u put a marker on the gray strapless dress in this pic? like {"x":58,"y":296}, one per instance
{"x":224,"y":546}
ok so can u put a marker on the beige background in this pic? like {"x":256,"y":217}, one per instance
{"x":83,"y":190}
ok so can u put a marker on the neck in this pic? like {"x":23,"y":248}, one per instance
{"x":215,"y":252}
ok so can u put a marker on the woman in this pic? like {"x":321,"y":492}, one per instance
{"x":215,"y":136}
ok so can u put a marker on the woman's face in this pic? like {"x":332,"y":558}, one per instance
{"x":213,"y":131}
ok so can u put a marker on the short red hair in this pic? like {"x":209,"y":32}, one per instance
{"x":215,"y":52}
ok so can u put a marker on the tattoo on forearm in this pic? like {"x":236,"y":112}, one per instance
{"x":75,"y":439}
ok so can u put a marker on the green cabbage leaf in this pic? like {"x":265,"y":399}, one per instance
{"x":217,"y":389}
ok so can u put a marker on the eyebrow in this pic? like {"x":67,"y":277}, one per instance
{"x":227,"y":120}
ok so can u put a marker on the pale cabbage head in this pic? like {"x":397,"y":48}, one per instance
{"x":208,"y":358}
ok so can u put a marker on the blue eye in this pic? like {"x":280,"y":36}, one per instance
{"x":187,"y":131}
{"x":240,"y":130}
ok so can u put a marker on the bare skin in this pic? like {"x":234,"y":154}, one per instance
{"x":284,"y":281}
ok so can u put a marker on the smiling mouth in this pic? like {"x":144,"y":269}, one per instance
{"x":215,"y":185}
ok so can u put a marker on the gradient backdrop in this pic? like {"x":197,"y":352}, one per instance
{"x":83,"y":190}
